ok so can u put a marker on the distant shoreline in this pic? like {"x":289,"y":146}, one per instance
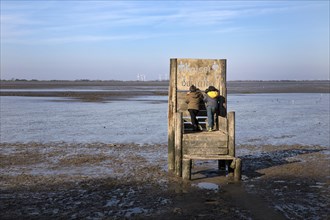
{"x":114,"y":90}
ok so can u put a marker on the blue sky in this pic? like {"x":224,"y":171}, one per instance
{"x":261,"y":40}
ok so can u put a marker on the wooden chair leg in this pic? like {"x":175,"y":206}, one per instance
{"x":238,"y":169}
{"x":231,"y":167}
{"x":186,"y":169}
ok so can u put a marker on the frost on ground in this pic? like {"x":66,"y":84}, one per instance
{"x":116,"y":181}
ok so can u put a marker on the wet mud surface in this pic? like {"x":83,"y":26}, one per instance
{"x":129,"y":181}
{"x":100,"y":91}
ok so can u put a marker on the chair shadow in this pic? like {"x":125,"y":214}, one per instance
{"x":252,"y":163}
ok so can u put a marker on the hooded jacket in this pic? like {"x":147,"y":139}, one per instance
{"x":212,"y":99}
{"x":193,"y":99}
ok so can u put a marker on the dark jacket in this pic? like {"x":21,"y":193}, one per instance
{"x":193,"y":99}
{"x":212,"y":99}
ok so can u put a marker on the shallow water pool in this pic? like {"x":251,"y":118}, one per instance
{"x":274,"y":119}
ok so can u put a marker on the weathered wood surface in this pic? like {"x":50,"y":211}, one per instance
{"x":201,"y":73}
{"x":205,"y":143}
{"x":238,"y":169}
{"x":223,"y":124}
{"x":231,"y":133}
{"x":171,"y":111}
{"x":178,"y":144}
{"x":186,"y":169}
{"x":182,"y":106}
{"x":208,"y":157}
{"x":184,"y":145}
{"x":199,"y":117}
{"x":205,"y":151}
{"x":214,"y":138}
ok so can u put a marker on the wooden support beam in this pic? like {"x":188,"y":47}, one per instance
{"x":222,"y":124}
{"x":231,"y":133}
{"x":178,"y":144}
{"x":238,"y":169}
{"x":171,"y":118}
{"x":186,"y":169}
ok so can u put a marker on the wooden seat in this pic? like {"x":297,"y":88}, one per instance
{"x":216,"y":145}
{"x":206,"y":143}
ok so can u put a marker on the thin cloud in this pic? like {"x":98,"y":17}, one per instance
{"x":58,"y":21}
{"x":91,"y":38}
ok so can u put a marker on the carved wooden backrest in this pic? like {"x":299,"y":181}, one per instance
{"x":199,"y":72}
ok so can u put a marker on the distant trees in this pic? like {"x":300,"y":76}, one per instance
{"x":20,"y":80}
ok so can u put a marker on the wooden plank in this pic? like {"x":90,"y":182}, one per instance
{"x":199,"y":118}
{"x":222,"y":123}
{"x":188,"y":126}
{"x":178,"y":144}
{"x":206,"y":147}
{"x":171,"y":119}
{"x":208,"y":157}
{"x":181,"y":102}
{"x":202,"y":115}
{"x":238,"y":169}
{"x":205,"y":151}
{"x":186,"y":169}
{"x":206,"y":136}
{"x":222,"y":119}
{"x":204,"y":144}
{"x":231,"y":133}
{"x":223,"y":80}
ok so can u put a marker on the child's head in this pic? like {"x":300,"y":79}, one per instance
{"x":212,"y":88}
{"x":192,"y":88}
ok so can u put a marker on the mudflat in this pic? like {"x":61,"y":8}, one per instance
{"x":109,"y":90}
{"x":94,"y":91}
{"x":129,"y":181}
